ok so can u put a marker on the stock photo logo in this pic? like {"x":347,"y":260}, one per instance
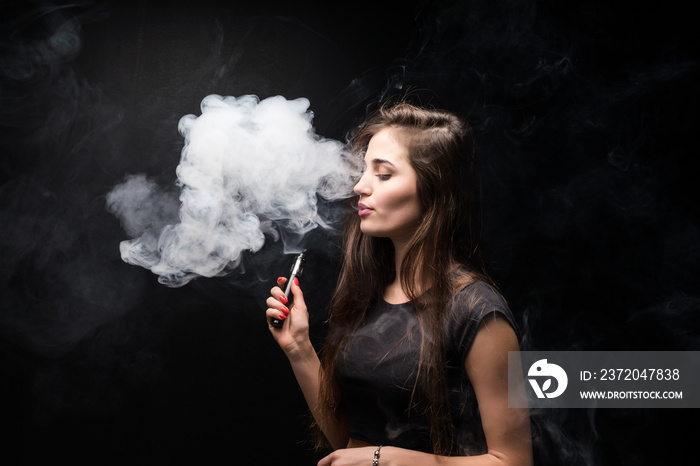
{"x":544,"y":371}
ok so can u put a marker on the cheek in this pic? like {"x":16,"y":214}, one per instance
{"x":406,"y":205}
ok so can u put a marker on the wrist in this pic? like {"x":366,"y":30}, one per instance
{"x":377,"y":454}
{"x":300,"y":351}
{"x":394,"y":456}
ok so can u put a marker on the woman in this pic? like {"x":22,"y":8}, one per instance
{"x":416,"y":356}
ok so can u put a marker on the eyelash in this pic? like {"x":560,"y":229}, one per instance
{"x":381,"y":176}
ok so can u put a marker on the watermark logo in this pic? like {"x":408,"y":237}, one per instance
{"x":603,"y":379}
{"x":547,"y":371}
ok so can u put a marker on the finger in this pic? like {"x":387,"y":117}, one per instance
{"x":298,"y":294}
{"x":276,"y":305}
{"x":325,"y":461}
{"x":279,"y":295}
{"x":328,"y":460}
{"x":275,"y":314}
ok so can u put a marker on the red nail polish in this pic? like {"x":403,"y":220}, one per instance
{"x":285,"y":310}
{"x":279,"y":279}
{"x":283,"y":299}
{"x":296,"y":281}
{"x":283,"y":316}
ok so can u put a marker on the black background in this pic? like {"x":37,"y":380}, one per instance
{"x":585,"y":116}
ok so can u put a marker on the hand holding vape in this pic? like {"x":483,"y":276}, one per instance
{"x":296,"y":270}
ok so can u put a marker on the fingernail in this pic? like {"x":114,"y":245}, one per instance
{"x":279,"y":279}
{"x":285,"y":310}
{"x":296,"y":281}
{"x":283,"y":316}
{"x":283,"y":299}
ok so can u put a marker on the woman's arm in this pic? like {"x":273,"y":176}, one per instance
{"x":294,"y":340}
{"x":507,"y":430}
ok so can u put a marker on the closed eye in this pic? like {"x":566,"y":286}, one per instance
{"x":383,"y":176}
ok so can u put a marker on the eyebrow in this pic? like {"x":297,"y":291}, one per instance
{"x":381,"y":161}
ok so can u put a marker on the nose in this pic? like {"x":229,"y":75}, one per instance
{"x":363,"y":187}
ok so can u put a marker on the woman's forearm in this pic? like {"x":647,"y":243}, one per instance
{"x":393,"y":456}
{"x":307,"y":370}
{"x":402,"y":457}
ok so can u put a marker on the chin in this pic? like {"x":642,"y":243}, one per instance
{"x":369,"y":231}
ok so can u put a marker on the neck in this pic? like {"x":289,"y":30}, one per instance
{"x":395,"y":293}
{"x":399,"y":253}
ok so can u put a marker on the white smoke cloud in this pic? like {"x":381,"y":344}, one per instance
{"x":249,"y":168}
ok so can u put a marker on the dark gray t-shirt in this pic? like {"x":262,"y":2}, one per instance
{"x":377,"y":372}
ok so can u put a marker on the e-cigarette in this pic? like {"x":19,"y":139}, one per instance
{"x":296,"y":270}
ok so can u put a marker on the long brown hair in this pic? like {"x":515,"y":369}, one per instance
{"x":441,"y":151}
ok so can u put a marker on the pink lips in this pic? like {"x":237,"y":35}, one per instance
{"x":364,"y":210}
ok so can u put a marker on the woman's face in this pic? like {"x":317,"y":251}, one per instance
{"x":388,"y":204}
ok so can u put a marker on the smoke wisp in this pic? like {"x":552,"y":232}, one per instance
{"x":249,"y":170}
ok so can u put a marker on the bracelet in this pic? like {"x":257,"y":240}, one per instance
{"x":375,"y":461}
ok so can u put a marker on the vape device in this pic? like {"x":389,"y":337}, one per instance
{"x":297,"y":268}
